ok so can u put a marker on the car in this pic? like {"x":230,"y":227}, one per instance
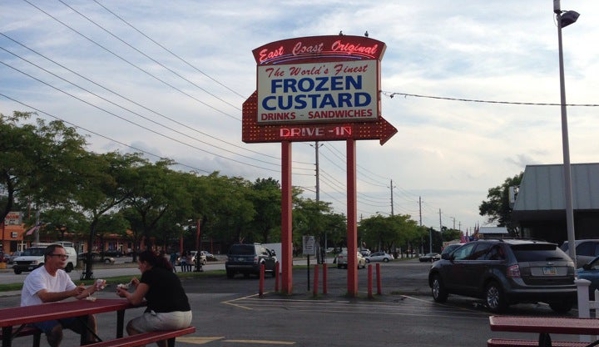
{"x":590,"y":272}
{"x":379,"y":256}
{"x":208,"y":256}
{"x":113,"y":253}
{"x":450,"y":248}
{"x":342,"y":260}
{"x":430,"y":257}
{"x":506,"y":272}
{"x":15,"y":255}
{"x":96,"y":258}
{"x":365,"y":252}
{"x":247,"y":259}
{"x":4,"y":258}
{"x":586,"y":250}
{"x":193,"y":254}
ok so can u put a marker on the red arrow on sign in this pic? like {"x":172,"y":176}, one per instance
{"x":252,"y":132}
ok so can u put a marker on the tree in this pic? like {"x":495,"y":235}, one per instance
{"x":387,"y":233}
{"x":156,"y":190}
{"x":497,"y":207}
{"x":232,"y":209}
{"x":266,"y":198}
{"x":104,"y":182}
{"x":38,"y":161}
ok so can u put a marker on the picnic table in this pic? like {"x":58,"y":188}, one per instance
{"x":23,"y":315}
{"x":544,"y":326}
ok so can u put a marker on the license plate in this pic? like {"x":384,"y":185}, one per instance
{"x":549,"y":270}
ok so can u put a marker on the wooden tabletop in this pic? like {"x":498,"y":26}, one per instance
{"x":64,"y":309}
{"x":553,"y":325}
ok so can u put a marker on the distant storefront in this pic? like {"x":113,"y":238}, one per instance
{"x":540,"y":209}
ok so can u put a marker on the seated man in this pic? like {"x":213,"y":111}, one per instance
{"x":50,"y":283}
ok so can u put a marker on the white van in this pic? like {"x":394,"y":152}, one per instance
{"x":33,"y":257}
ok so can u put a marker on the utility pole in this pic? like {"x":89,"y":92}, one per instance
{"x":317,"y":172}
{"x":323,"y":255}
{"x":420,"y":220}
{"x":391,"y":197}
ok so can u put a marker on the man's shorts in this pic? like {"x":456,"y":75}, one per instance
{"x":68,"y":323}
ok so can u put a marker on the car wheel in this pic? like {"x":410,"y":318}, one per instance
{"x":439,"y":292}
{"x":230,"y":274}
{"x":368,"y":260}
{"x":562,"y":307}
{"x":495,"y":298}
{"x":17,"y":271}
{"x":386,"y":260}
{"x":107,"y":261}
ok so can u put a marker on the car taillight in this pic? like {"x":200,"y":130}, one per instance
{"x":256,"y":260}
{"x":513,"y":271}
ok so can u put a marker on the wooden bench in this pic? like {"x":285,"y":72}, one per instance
{"x":26,"y":330}
{"x":526,"y":343}
{"x":145,"y":338}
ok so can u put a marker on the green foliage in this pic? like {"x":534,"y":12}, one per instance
{"x":39,"y":161}
{"x":497,"y":207}
{"x":91,"y":196}
{"x":389,"y":232}
{"x":316,"y":218}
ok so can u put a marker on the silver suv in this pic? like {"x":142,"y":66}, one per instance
{"x":505,"y":272}
{"x":586,"y":250}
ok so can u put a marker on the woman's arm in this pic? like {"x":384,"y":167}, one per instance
{"x":137,"y":296}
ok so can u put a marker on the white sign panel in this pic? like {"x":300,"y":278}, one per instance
{"x":344,"y":91}
{"x":309,"y":245}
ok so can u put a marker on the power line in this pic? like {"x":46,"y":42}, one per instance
{"x":133,"y":65}
{"x":166,"y":49}
{"x":392,"y":94}
{"x":147,"y":56}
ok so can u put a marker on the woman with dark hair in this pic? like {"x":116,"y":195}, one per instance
{"x":168,"y":306}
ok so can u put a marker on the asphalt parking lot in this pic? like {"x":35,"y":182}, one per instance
{"x":229,"y":312}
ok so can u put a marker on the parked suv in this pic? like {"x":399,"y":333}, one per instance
{"x":506,"y":272}
{"x":246,"y":258}
{"x":586,"y":250}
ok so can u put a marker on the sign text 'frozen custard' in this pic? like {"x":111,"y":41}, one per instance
{"x":339,"y":91}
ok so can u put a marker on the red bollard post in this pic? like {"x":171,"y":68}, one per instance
{"x":261,"y":285}
{"x":315,"y":290}
{"x":370,"y":281}
{"x":324,"y":279}
{"x":379,"y":289}
{"x":277,"y":277}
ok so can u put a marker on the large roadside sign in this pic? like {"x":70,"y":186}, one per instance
{"x":318,"y":88}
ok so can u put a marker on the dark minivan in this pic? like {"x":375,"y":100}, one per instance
{"x":246,"y":259}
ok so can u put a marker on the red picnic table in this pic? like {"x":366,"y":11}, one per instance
{"x":17,"y":316}
{"x":545,"y":326}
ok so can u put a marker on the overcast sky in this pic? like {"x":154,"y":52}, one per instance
{"x":475,"y":86}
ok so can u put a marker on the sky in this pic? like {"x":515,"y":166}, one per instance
{"x":472,"y":87}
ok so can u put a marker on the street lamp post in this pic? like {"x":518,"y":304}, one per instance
{"x":563,"y":20}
